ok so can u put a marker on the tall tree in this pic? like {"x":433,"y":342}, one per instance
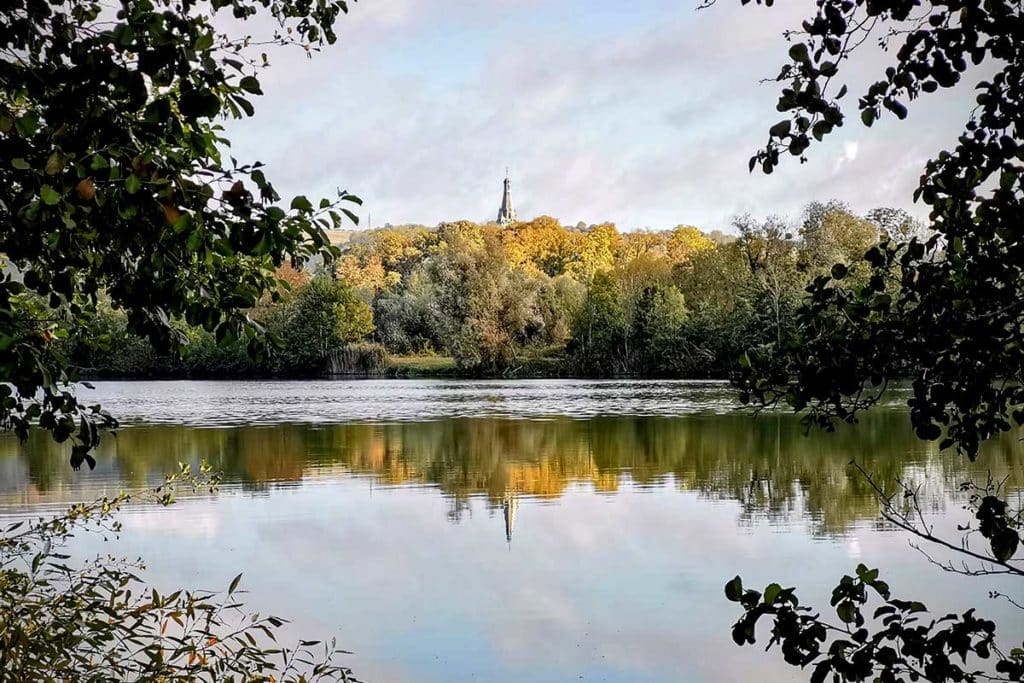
{"x":954,"y":314}
{"x":770,"y":253}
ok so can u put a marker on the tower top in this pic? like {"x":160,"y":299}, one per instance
{"x":507,"y":212}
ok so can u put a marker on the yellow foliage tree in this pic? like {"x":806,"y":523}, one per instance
{"x":540,"y":245}
{"x":685,"y":241}
{"x":633,"y":245}
{"x":594,"y":251}
{"x":367,"y":276}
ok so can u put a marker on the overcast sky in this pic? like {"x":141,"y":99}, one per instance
{"x":639,"y":112}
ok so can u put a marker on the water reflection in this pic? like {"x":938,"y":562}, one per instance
{"x":768,"y":465}
{"x":541,"y":531}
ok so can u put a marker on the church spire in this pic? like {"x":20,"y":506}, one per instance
{"x":507,"y":212}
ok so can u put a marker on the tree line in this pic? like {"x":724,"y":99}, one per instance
{"x":535,"y":298}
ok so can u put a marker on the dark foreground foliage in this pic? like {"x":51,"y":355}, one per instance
{"x":874,"y":636}
{"x":946,"y":311}
{"x":99,"y":621}
{"x":115,"y":182}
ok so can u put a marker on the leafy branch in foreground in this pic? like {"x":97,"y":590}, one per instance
{"x":115,"y":181}
{"x":945,"y":312}
{"x":899,"y":642}
{"x":997,"y":522}
{"x":100,"y":622}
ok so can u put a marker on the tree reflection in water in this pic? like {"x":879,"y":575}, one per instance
{"x":769,"y":465}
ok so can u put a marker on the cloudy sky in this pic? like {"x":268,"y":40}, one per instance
{"x":642,"y":112}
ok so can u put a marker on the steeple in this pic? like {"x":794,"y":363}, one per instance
{"x":507,"y":212}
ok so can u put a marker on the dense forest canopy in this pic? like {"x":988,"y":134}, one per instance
{"x":539,"y":298}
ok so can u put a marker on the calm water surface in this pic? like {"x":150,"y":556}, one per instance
{"x":509,"y":531}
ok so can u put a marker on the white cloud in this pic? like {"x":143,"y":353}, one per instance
{"x":646,"y":117}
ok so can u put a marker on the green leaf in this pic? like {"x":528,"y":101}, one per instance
{"x":132,"y":184}
{"x":780,"y":129}
{"x":195,"y":240}
{"x":866,"y":575}
{"x":1007,"y":179}
{"x":300,"y":203}
{"x":204,"y":42}
{"x":27,"y":124}
{"x":234,"y":584}
{"x":847,"y":612}
{"x":821,"y":671}
{"x":54,"y":164}
{"x":199,"y":104}
{"x":20,"y":164}
{"x":798,"y":53}
{"x":49,"y":195}
{"x":1004,"y":544}
{"x":734,"y":589}
{"x":245,"y":104}
{"x":250,"y":84}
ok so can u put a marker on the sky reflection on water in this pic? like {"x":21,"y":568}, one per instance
{"x":391,"y":530}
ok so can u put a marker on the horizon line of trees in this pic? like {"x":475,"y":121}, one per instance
{"x":533,"y":298}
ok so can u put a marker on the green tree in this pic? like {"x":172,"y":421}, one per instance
{"x":657,"y":327}
{"x":832,"y":234}
{"x":488,"y":311}
{"x":113,"y":178}
{"x":406,"y":321}
{"x":898,"y":225}
{"x":560,"y":301}
{"x":323,"y":317}
{"x":599,"y":338}
{"x":770,"y":253}
{"x":721,"y":316}
{"x":104,"y":345}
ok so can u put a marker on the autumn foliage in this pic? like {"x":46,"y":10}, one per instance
{"x":594,"y":300}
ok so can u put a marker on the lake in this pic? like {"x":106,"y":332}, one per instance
{"x":512,"y":530}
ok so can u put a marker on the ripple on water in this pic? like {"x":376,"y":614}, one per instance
{"x":268,"y":402}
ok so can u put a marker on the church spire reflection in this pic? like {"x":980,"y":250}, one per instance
{"x":509,"y":507}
